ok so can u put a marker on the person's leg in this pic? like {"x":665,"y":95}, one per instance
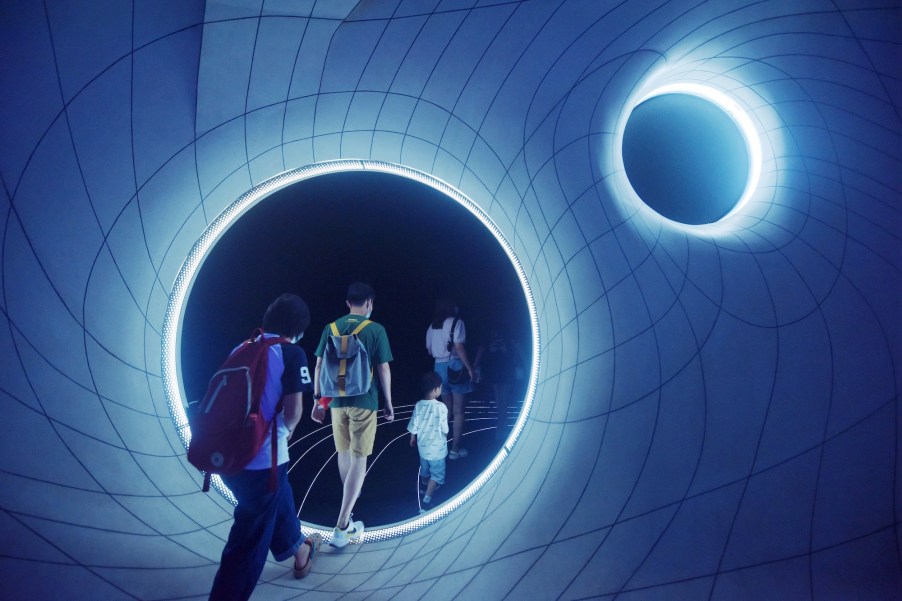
{"x":422,"y":477}
{"x":342,"y":436}
{"x":447,"y":400}
{"x":441,"y":368}
{"x":352,"y":486}
{"x":287,"y":539}
{"x":245,"y":551}
{"x":459,"y":399}
{"x":436,"y":478}
{"x":344,"y":463}
{"x":362,"y":434}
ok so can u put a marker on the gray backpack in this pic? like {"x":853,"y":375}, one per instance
{"x":346,"y":369}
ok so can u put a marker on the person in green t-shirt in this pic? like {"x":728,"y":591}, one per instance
{"x":354,"y":417}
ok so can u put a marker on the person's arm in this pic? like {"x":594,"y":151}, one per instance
{"x":480,"y":352}
{"x":462,"y":353}
{"x":293,"y":408}
{"x":460,"y":337}
{"x":413,"y":426}
{"x":385,"y":378}
{"x":318,"y":413}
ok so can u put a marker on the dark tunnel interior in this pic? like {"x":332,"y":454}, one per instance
{"x":411,"y":243}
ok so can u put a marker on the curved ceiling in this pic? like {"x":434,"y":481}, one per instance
{"x":717,"y":414}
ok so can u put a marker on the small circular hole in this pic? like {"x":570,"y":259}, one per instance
{"x":686,"y":158}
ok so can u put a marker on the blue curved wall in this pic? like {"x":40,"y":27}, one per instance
{"x":717,"y":414}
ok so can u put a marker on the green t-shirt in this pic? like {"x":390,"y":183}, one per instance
{"x":375,"y":341}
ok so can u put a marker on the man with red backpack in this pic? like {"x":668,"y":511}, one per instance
{"x":265,"y":519}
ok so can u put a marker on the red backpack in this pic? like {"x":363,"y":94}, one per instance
{"x":227,"y":426}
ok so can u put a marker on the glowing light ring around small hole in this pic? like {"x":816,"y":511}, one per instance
{"x":172,"y":325}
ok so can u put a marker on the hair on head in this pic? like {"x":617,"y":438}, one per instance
{"x":287,"y":316}
{"x":429,"y":382}
{"x":445,"y":307}
{"x":359,"y":293}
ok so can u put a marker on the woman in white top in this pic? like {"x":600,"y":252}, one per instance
{"x":453,"y":357}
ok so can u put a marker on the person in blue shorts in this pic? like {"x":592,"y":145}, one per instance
{"x":445,"y":340}
{"x":428,"y":427}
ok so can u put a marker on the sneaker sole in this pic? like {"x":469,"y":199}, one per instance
{"x":345,"y":541}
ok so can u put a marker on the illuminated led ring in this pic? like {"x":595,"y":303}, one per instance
{"x":728,"y":105}
{"x":172,"y":325}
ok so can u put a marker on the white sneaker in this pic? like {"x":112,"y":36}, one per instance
{"x":341,"y":538}
{"x":459,"y":453}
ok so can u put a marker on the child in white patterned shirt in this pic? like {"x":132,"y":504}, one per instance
{"x":428,"y":429}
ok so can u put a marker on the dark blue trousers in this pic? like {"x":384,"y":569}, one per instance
{"x":264,"y":521}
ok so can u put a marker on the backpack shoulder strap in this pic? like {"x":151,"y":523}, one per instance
{"x":334,"y":327}
{"x":454,"y":325}
{"x":359,"y":328}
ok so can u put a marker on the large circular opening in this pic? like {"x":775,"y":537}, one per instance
{"x":412,"y":238}
{"x":687,"y":155}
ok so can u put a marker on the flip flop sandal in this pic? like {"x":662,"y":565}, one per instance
{"x":314,"y":541}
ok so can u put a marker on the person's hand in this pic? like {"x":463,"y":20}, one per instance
{"x":318,"y":414}
{"x":413,"y":441}
{"x":389,"y":412}
{"x":472,"y":374}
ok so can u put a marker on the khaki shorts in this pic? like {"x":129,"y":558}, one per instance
{"x":355,"y":429}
